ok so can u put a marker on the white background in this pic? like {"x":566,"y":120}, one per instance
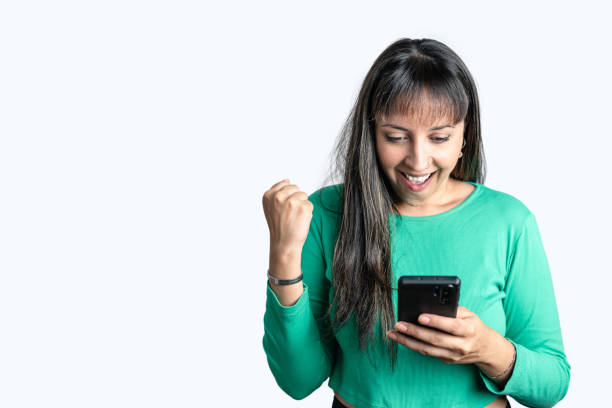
{"x":137,"y":140}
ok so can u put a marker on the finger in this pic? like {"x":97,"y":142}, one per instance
{"x":452,"y":325}
{"x":299,"y":198}
{"x":278,"y":186}
{"x":272,"y":190}
{"x":284,"y":192}
{"x":419,"y":346}
{"x":283,"y":181}
{"x":433,"y":337}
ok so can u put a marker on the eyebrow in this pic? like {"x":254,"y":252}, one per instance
{"x":407,"y":130}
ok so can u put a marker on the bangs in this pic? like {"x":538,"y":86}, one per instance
{"x":428,"y":96}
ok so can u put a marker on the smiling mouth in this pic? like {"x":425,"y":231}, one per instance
{"x":422,"y":175}
{"x":417,"y":180}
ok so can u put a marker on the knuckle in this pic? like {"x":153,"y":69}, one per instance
{"x":455,"y":326}
{"x":304,"y":208}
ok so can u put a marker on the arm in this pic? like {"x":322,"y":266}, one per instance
{"x":541,"y":373}
{"x":297,"y":356}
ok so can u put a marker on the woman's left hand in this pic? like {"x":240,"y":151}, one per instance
{"x":465,"y":339}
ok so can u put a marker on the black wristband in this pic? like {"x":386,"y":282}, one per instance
{"x":284,"y":281}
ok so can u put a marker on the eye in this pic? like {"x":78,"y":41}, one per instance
{"x":398,"y":139}
{"x":440,"y":139}
{"x":393,"y":139}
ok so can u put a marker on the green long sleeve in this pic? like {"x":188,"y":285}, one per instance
{"x":492,"y":243}
{"x":297,"y":356}
{"x":541,"y":374}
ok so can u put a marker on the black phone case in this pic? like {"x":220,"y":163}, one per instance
{"x":427,"y":294}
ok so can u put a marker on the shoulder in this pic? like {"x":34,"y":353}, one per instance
{"x":328,"y":200}
{"x":504,"y":206}
{"x":327,"y":213}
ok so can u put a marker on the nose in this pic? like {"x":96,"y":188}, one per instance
{"x":417,"y":156}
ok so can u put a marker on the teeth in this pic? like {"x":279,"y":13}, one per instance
{"x":417,"y":180}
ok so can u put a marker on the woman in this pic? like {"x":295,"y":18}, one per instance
{"x":412,"y":202}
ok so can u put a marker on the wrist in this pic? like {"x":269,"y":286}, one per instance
{"x":287,"y":294}
{"x":284,"y":254}
{"x":284,"y":282}
{"x":283,"y":250}
{"x":285,"y":264}
{"x":498,"y":363}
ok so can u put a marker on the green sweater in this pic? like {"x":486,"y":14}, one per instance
{"x":492,"y":243}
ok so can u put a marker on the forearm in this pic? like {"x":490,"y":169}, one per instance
{"x":537,"y":378}
{"x":498,"y":358}
{"x":296,"y":355}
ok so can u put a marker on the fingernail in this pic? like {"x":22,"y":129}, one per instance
{"x":424,"y":319}
{"x":392,"y":335}
{"x":402,"y":326}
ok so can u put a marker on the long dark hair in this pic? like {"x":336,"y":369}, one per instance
{"x":416,"y":77}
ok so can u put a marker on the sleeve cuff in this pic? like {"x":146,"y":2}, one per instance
{"x":521,"y":365}
{"x":286,"y":311}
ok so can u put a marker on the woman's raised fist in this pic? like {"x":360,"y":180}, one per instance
{"x":288,"y":213}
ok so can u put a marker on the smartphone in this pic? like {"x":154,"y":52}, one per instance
{"x":427,"y":294}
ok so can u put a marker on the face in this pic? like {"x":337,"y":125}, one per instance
{"x":406,"y":145}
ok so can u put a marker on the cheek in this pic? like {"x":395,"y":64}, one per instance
{"x":447,"y":157}
{"x":387,"y":156}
